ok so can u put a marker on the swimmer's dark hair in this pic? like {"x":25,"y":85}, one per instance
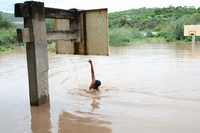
{"x":98,"y":83}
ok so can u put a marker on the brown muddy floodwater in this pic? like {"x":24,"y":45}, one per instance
{"x":146,"y":89}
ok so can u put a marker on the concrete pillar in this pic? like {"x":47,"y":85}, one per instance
{"x":79,"y":25}
{"x":37,"y":53}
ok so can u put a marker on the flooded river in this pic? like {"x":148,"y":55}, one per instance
{"x":145,"y":89}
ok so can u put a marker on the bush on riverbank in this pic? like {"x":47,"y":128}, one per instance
{"x":7,"y":35}
{"x":123,"y":36}
{"x":7,"y":39}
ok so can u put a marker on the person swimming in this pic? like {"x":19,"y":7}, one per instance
{"x":95,"y":83}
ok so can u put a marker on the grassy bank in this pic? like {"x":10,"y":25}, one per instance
{"x":127,"y":36}
{"x":7,"y":40}
{"x":7,"y":34}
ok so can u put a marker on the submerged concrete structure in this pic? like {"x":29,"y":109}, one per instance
{"x":76,"y":32}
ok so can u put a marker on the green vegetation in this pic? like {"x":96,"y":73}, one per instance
{"x":7,"y":35}
{"x":7,"y":40}
{"x":147,"y":24}
{"x":10,"y":17}
{"x":8,"y":24}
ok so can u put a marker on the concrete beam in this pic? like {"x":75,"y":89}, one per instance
{"x":22,"y":10}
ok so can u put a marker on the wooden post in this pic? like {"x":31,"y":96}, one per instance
{"x":193,"y":40}
{"x":37,"y":53}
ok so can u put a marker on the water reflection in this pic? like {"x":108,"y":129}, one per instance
{"x":95,"y":103}
{"x":40,"y":119}
{"x":195,"y":50}
{"x":70,"y":123}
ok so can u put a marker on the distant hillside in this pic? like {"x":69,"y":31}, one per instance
{"x":151,"y":22}
{"x":10,"y":18}
{"x":150,"y":18}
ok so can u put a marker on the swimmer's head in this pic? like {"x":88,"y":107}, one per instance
{"x":96,"y":85}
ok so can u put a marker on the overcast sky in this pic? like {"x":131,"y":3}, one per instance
{"x":112,"y":5}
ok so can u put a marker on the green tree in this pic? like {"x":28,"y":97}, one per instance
{"x":4,"y":23}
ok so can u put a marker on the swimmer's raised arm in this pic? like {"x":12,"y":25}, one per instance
{"x":92,"y":70}
{"x":95,"y":83}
